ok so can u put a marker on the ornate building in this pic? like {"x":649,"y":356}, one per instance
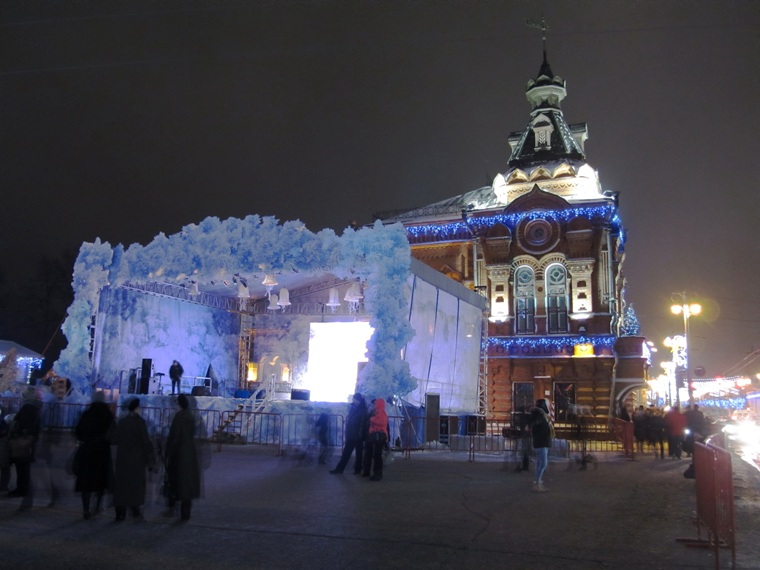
{"x":545,"y":246}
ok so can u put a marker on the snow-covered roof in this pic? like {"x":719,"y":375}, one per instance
{"x":21,"y":351}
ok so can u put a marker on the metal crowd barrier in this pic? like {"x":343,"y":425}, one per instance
{"x":60,"y":415}
{"x":10,"y":404}
{"x":261,"y":428}
{"x":408,"y":433}
{"x":715,"y":501}
{"x":478,"y":435}
{"x":64,"y":416}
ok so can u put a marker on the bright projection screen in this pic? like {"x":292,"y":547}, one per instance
{"x":335,"y":351}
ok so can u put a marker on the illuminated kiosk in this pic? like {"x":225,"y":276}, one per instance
{"x":253,"y":304}
{"x":24,"y":359}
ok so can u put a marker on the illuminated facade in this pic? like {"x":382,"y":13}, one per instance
{"x":545,"y":246}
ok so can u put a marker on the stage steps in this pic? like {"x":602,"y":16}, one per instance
{"x":254,"y":403}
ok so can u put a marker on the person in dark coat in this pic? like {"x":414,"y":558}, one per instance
{"x":697,"y":428}
{"x":94,"y":468}
{"x":182,"y":463}
{"x":655,"y":430}
{"x":134,"y":454}
{"x":354,"y":441}
{"x":322,"y":425}
{"x":5,"y":454}
{"x":175,"y":373}
{"x":26,"y":425}
{"x":540,"y":430}
{"x":640,"y":428}
{"x":526,"y":444}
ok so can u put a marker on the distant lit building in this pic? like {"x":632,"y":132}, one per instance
{"x":26,"y":361}
{"x":545,"y":245}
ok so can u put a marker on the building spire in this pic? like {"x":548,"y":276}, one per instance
{"x":547,"y":136}
{"x":540,"y":25}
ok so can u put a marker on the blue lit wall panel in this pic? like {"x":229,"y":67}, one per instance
{"x":134,"y":326}
{"x":419,"y":349}
{"x":464,"y":391}
{"x":441,"y":356}
{"x":444,"y":346}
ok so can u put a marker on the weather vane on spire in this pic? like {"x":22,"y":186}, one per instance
{"x":540,"y":25}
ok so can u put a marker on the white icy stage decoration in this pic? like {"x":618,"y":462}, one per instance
{"x":120,"y":317}
{"x":214,"y":251}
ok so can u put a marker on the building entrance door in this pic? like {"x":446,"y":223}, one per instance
{"x":522,"y":402}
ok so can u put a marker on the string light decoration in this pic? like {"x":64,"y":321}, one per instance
{"x":725,"y":403}
{"x":557,"y":344}
{"x":453,"y":229}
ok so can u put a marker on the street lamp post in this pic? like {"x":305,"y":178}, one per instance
{"x":687,"y":310}
{"x":677,"y":346}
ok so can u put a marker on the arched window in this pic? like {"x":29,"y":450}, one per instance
{"x":525,"y":301}
{"x":556,"y":298}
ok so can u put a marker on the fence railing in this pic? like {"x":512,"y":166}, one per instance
{"x":715,"y":500}
{"x":64,"y":416}
{"x":408,"y":433}
{"x":259,"y":428}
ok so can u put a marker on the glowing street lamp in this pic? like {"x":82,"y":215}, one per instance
{"x":687,"y":310}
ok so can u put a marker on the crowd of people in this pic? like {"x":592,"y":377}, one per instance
{"x":654,"y":427}
{"x":366,"y":437}
{"x":111,"y":458}
{"x":114,"y":457}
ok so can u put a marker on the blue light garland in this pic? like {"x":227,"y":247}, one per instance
{"x":453,"y":229}
{"x":726,"y":403}
{"x":557,"y":343}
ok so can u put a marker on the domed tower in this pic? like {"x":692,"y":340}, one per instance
{"x":548,"y":152}
{"x":545,"y":245}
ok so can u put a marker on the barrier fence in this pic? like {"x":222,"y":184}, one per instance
{"x":408,"y":433}
{"x":715,"y":501}
{"x":64,"y":416}
{"x":259,"y":428}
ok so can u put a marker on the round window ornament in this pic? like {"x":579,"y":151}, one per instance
{"x":538,"y":235}
{"x":538,"y":232}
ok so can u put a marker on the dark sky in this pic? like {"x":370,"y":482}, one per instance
{"x":123,"y":119}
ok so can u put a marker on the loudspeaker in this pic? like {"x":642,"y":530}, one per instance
{"x":147,"y":365}
{"x":300,"y":395}
{"x":200,"y":391}
{"x":432,"y":415}
{"x":476,"y":425}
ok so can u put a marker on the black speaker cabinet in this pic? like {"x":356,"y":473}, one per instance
{"x":147,"y":365}
{"x":432,"y":417}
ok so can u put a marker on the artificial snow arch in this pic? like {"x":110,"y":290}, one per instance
{"x":223,"y":253}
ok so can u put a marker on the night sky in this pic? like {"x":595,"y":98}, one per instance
{"x":123,"y":119}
